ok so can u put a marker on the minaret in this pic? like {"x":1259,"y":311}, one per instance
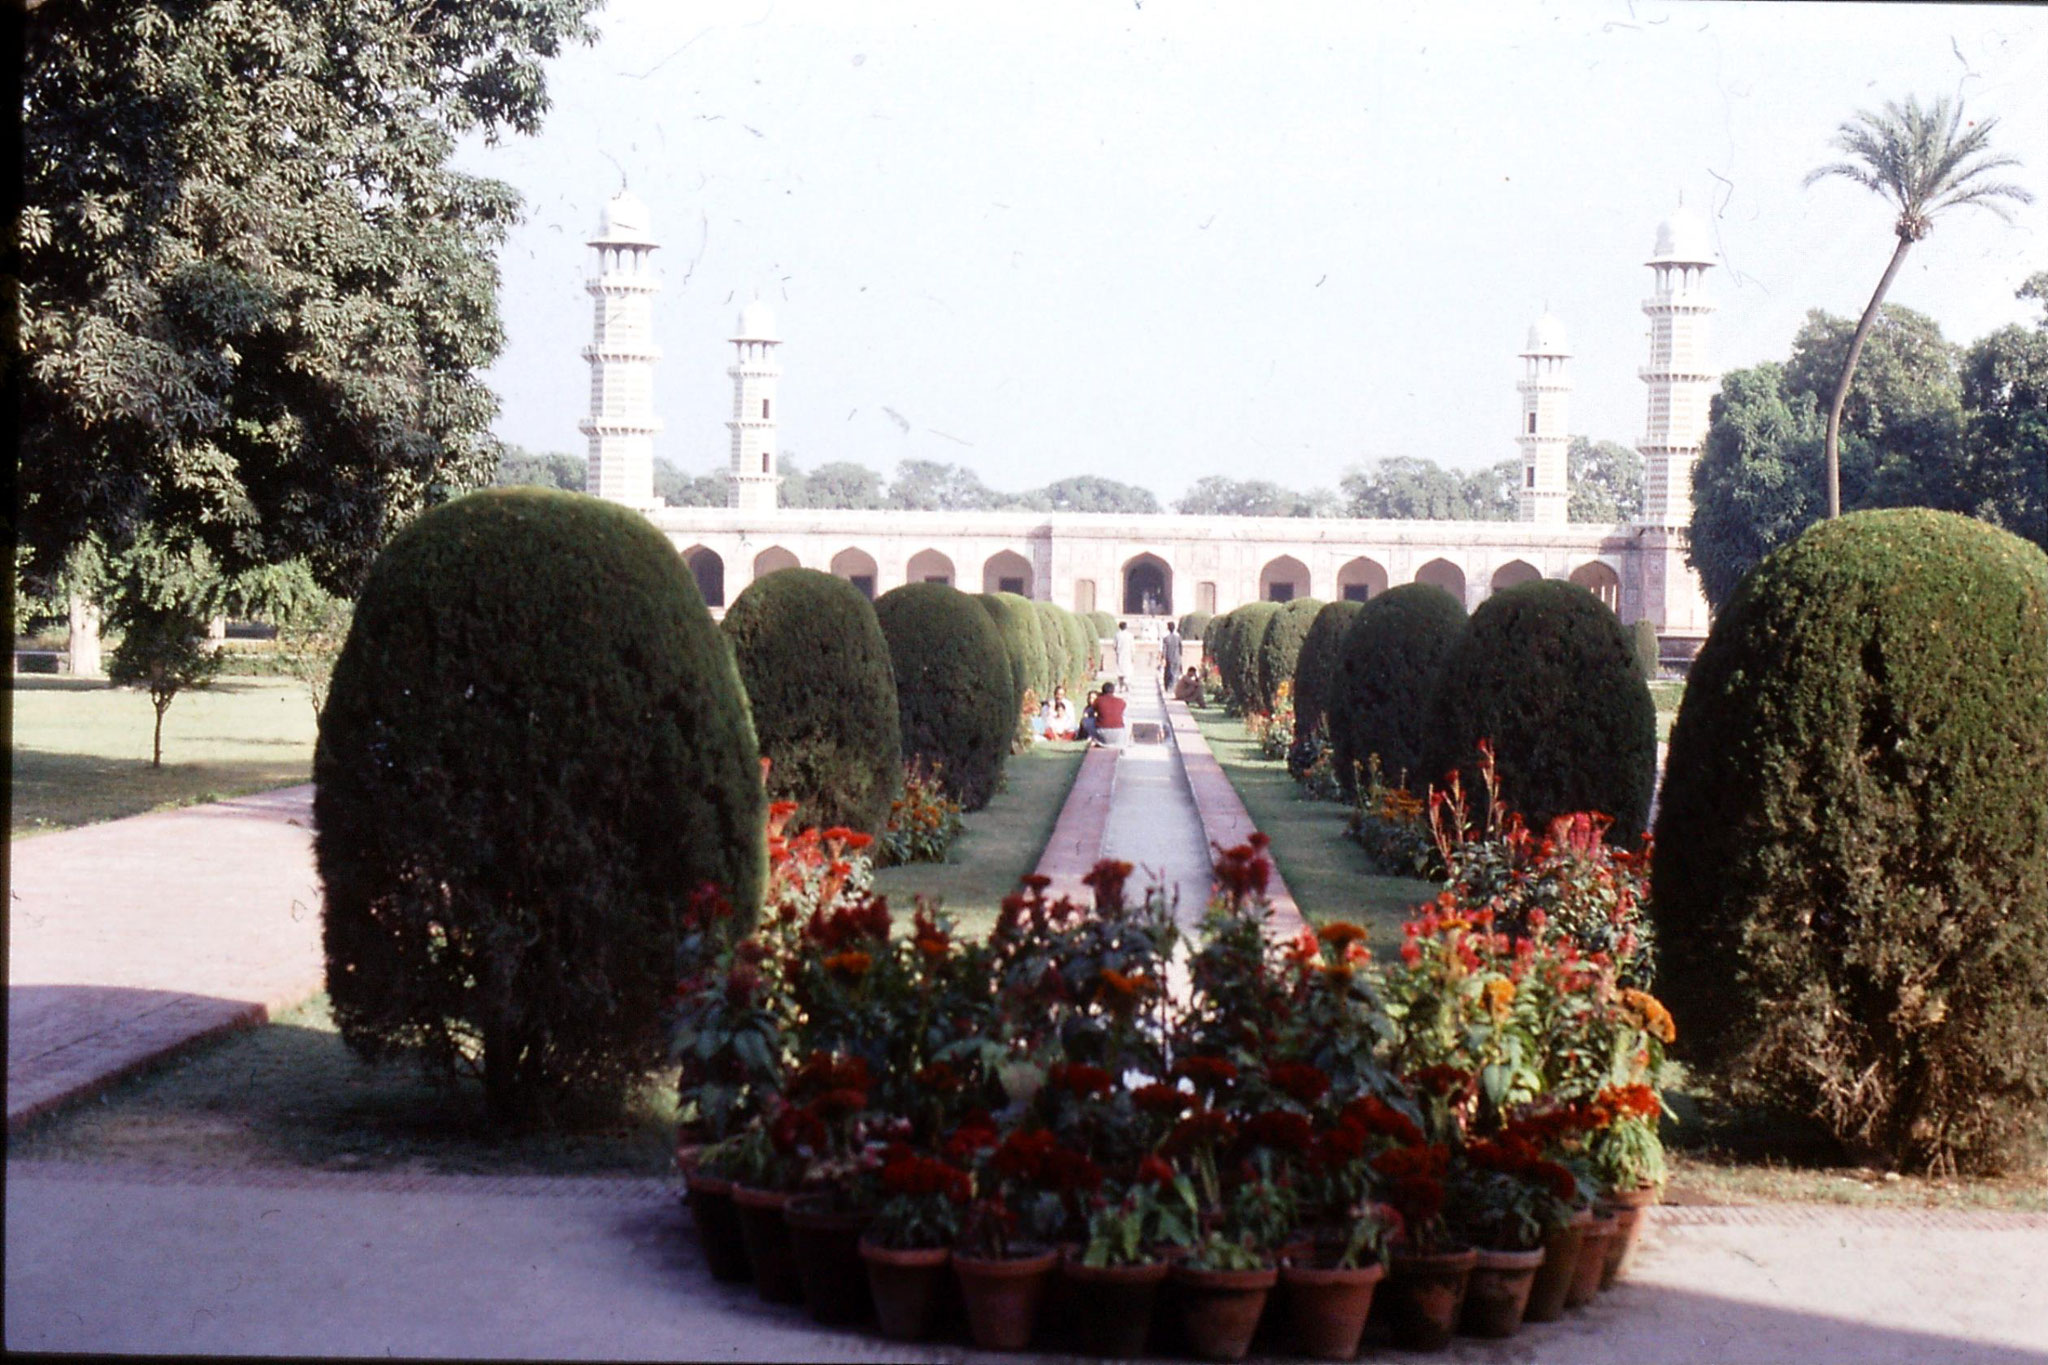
{"x":621,"y":425}
{"x":754,"y":474}
{"x":1681,"y":381}
{"x":1546,"y":400}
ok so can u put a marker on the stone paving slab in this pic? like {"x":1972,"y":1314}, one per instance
{"x":1225,"y":821}
{"x":130,"y":939}
{"x":1075,"y":845}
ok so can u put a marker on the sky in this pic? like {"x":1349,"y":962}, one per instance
{"x":1161,"y":239}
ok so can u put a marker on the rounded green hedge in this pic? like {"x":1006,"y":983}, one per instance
{"x":1017,"y":623}
{"x":1280,"y":647}
{"x":1643,"y":635}
{"x":1244,"y":630}
{"x":1052,"y":630}
{"x":1104,"y":623}
{"x":534,"y":751}
{"x":818,"y":678}
{"x":1379,"y":691}
{"x":954,"y":685}
{"x":1316,"y":667}
{"x":1851,"y":883}
{"x":1082,"y":653}
{"x":1194,"y":623}
{"x":1547,"y":673}
{"x":1212,"y":635}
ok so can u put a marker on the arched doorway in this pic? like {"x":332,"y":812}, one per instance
{"x":1361,"y":580}
{"x":1148,"y":586}
{"x":1441,"y":573}
{"x":929,"y":566}
{"x":1602,"y":581}
{"x":709,"y":571}
{"x":1007,"y":571}
{"x":771,"y":559}
{"x":1513,"y":572}
{"x":1283,"y":580}
{"x":858,"y":568}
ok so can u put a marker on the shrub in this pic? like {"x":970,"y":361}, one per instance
{"x":823,"y":695}
{"x":1023,"y":641}
{"x":1852,"y":862}
{"x":955,"y":703}
{"x":1083,"y":652}
{"x":1194,"y":623}
{"x":1644,"y":637}
{"x":1104,"y":623}
{"x":1052,"y":630}
{"x":1280,"y":646}
{"x":1547,"y":674}
{"x":1387,"y":662}
{"x":1243,"y":631}
{"x":1317,"y":664}
{"x":535,"y":750}
{"x":923,"y":821}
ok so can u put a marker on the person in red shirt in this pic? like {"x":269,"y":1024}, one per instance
{"x":1109,"y":717}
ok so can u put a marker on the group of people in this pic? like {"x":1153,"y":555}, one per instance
{"x":1101,"y":720}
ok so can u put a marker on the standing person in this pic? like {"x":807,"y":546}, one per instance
{"x":1169,"y":654}
{"x":1123,"y":653}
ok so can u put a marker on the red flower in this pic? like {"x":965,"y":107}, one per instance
{"x":1279,"y":1129}
{"x":1162,"y":1099}
{"x":1396,"y":1162}
{"x":1203,"y":1128}
{"x":939,"y":1076}
{"x":1418,"y":1197}
{"x":838,"y":1104}
{"x":1208,"y":1073}
{"x":1374,"y":1115}
{"x":970,"y":1139}
{"x":1107,"y":879}
{"x":1299,"y":1081}
{"x":1154,"y":1171}
{"x":1080,"y":1078}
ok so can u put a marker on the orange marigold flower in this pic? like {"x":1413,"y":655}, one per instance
{"x":1337,"y":933}
{"x":849,"y":963}
{"x":1655,"y":1019}
{"x":1498,"y":994}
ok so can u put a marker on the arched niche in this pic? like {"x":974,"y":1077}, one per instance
{"x":1007,"y":571}
{"x":929,"y":566}
{"x":857,"y":567}
{"x":771,"y":559}
{"x":708,"y":568}
{"x":1361,"y":580}
{"x":1513,"y":572}
{"x":1148,"y":586}
{"x":1602,"y":581}
{"x":1441,"y":573}
{"x":1283,"y":580}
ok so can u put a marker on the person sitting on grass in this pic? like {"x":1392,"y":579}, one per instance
{"x":1109,"y":718}
{"x":1059,"y":715}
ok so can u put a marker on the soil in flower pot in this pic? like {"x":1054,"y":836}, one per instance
{"x":767,"y":1239}
{"x":1592,"y":1262}
{"x":1325,"y":1309}
{"x":1424,"y":1294}
{"x":1632,"y":1208}
{"x":1220,"y":1309}
{"x":1554,"y":1277}
{"x":709,"y":1200}
{"x":1498,"y":1292}
{"x":1111,"y":1306}
{"x":826,"y":1247}
{"x":1002,"y":1297}
{"x":906,"y":1287}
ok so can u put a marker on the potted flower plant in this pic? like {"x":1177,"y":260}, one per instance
{"x":1505,"y":1199}
{"x":1429,"y":1268}
{"x":909,"y":1243}
{"x":1028,"y":1188}
{"x":768,"y":1164}
{"x":1227,"y":1276}
{"x":840,"y":1190}
{"x":1116,"y":1277}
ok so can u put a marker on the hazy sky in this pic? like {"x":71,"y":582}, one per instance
{"x":1161,"y":241}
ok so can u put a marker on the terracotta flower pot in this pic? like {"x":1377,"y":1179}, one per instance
{"x":709,"y":1200}
{"x":1498,"y":1292}
{"x":1326,"y":1309}
{"x":1631,"y":1207}
{"x":1424,"y":1294}
{"x":905,"y":1286}
{"x":1220,"y":1309}
{"x":1592,"y":1261}
{"x":767,"y":1239}
{"x":1112,"y":1305}
{"x":1554,"y":1276}
{"x":826,"y":1247}
{"x":1002,"y":1297}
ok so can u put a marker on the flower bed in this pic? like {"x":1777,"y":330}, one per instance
{"x":1036,"y":1113}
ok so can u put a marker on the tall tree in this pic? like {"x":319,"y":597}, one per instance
{"x":1757,"y":482}
{"x":933,"y":486}
{"x":836,"y":484}
{"x":679,"y":489}
{"x":1494,"y":493}
{"x":256,"y":295}
{"x":518,"y":466}
{"x":1924,"y":161}
{"x":1606,"y":481}
{"x":2005,"y":401}
{"x":1405,"y":488}
{"x":1217,"y":496}
{"x":1091,"y":493}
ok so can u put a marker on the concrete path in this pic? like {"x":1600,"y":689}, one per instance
{"x":130,"y":939}
{"x":1153,"y":823}
{"x":106,"y":1259}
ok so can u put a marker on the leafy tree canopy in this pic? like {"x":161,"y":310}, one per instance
{"x":1217,"y":496}
{"x":1409,"y":488}
{"x":1606,"y":481}
{"x":1091,"y":493}
{"x":520,"y":467}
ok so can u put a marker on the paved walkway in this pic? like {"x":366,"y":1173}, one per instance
{"x":130,"y":939}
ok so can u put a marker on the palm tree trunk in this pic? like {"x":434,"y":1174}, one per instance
{"x":1848,"y":371}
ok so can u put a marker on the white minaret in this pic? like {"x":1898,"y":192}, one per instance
{"x":1546,"y":389}
{"x":621,"y":425}
{"x":754,"y":475}
{"x":1681,"y":381}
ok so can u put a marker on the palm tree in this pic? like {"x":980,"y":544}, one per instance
{"x":1923,"y":161}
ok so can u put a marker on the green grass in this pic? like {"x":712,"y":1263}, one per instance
{"x":1329,"y":874}
{"x":1698,"y":1177}
{"x":1666,"y":695}
{"x":1001,"y":843}
{"x":81,"y":748}
{"x":291,"y":1094}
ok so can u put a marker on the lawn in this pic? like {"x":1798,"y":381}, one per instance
{"x":1666,"y":695}
{"x":1329,"y":874}
{"x":1001,"y":843}
{"x":81,"y":747}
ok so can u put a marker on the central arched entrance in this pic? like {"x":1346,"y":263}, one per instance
{"x":1148,"y":587}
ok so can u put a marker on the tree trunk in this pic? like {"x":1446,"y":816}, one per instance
{"x":156,"y":756}
{"x":1848,"y":371}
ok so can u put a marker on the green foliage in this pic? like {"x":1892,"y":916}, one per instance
{"x":1023,"y":641}
{"x":1409,"y":488}
{"x":1756,"y":485}
{"x":955,"y":686}
{"x":257,"y":296}
{"x":522,"y":468}
{"x":1280,"y":646}
{"x":1238,"y":640}
{"x":1606,"y":481}
{"x":1104,"y":623}
{"x":1091,"y":493}
{"x":1194,"y":624}
{"x":1317,"y":664}
{"x":535,"y":751}
{"x":2005,"y":401}
{"x":838,"y":483}
{"x":1851,"y":885}
{"x":161,"y":600}
{"x":1216,"y":496}
{"x":1081,"y":652}
{"x":1052,"y":630}
{"x":1387,"y":664}
{"x":1546,"y":673}
{"x":678,"y":489}
{"x":818,"y":679}
{"x":1644,"y":636}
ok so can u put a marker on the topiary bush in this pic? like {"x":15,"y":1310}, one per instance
{"x":534,"y":752}
{"x":1317,"y":665}
{"x":1851,"y":883}
{"x":1644,"y":637}
{"x":1082,"y":653}
{"x":1052,"y":630}
{"x":1244,"y":631}
{"x":954,"y":681}
{"x":1194,"y":623}
{"x":1017,"y":623}
{"x":1280,"y":646}
{"x":1104,"y":623}
{"x":1545,"y":672}
{"x":816,"y":669}
{"x":1387,"y":664}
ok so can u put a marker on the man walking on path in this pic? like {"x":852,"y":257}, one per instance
{"x":1123,"y":653}
{"x":1169,"y":654}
